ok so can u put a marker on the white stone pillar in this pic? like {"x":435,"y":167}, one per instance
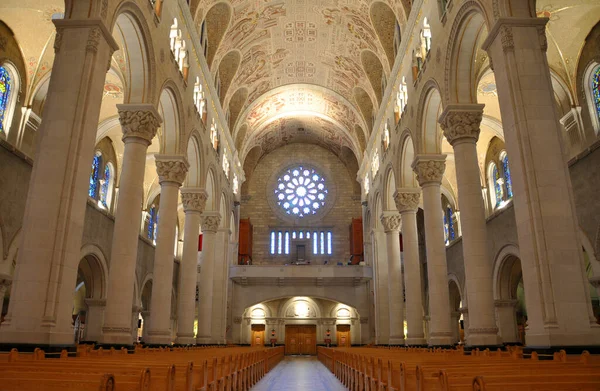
{"x":380,"y":283}
{"x":461,"y":128}
{"x":139,"y":123}
{"x":391,"y":225}
{"x":171,"y":174}
{"x":220,"y":279}
{"x":210,"y":222}
{"x":194,"y":201}
{"x":559,"y":311}
{"x":430,"y":170}
{"x":407,"y":202}
{"x":507,"y":320}
{"x":93,"y":319}
{"x":46,"y":269}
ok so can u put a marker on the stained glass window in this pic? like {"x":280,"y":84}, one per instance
{"x":446,"y":238}
{"x":507,"y":179}
{"x":273,"y":242}
{"x":315,"y":247}
{"x":105,"y":186}
{"x":497,"y":184}
{"x":152,"y":223}
{"x":96,"y":163}
{"x":5,"y":84}
{"x":279,"y":240}
{"x":329,"y":243}
{"x":451,"y":233}
{"x":301,"y":191}
{"x":596,"y":90}
{"x":322,"y":242}
{"x":287,"y":242}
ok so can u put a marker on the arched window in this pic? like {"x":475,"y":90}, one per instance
{"x":199,"y":100}
{"x":506,"y":172}
{"x":592,"y":89}
{"x":386,"y":137}
{"x":214,"y":135}
{"x":449,"y":232}
{"x":94,"y":175}
{"x":425,"y":38}
{"x":495,"y":184}
{"x":401,"y":99}
{"x":9,"y":86}
{"x":106,"y":189}
{"x":152,"y":223}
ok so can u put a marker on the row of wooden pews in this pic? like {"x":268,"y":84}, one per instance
{"x":143,"y":369}
{"x":422,"y":369}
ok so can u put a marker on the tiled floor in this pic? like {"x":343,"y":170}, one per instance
{"x":299,"y":373}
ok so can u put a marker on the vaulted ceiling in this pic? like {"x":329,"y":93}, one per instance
{"x":302,"y":62}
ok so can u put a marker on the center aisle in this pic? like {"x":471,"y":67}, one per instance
{"x":299,"y":373}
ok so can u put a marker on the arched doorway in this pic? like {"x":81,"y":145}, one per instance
{"x":511,"y":311}
{"x":146,"y":299}
{"x":88,"y":300}
{"x":458,"y":334}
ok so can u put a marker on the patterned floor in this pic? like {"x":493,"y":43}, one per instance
{"x":299,"y":373}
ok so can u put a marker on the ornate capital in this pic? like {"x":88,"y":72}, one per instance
{"x":5,"y":282}
{"x":407,"y":200}
{"x":391,"y":221}
{"x":210,"y":222}
{"x":140,"y":121}
{"x":429,"y":168}
{"x":193,"y":199}
{"x":171,"y":168}
{"x":461,"y":122}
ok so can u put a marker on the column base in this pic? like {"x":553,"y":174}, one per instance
{"x":554,"y":337}
{"x":440,"y":340}
{"x":37,"y":338}
{"x":205,"y":341}
{"x":415,"y":341}
{"x":116,"y":336}
{"x":185,"y":339}
{"x":396,"y":341}
{"x":483,"y":338}
{"x":159,"y":337}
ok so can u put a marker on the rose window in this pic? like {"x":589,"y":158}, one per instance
{"x":301,"y":191}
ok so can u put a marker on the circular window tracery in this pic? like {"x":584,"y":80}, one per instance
{"x":301,"y":191}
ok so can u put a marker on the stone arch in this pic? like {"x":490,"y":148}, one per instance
{"x":228,"y":67}
{"x":365,"y":104}
{"x":455,"y":295}
{"x":195,"y":159}
{"x":311,"y":304}
{"x":360,"y":136}
{"x":507,"y":277}
{"x":93,"y":265}
{"x":236,"y":103}
{"x":384,"y":22}
{"x":130,"y":22}
{"x":430,"y":108}
{"x":389,"y":187}
{"x":217,"y":21}
{"x":466,"y":36}
{"x":241,"y":134}
{"x":250,"y":163}
{"x":406,"y":158}
{"x":224,"y":211}
{"x":374,"y":71}
{"x":170,"y":110}
{"x":211,"y":188}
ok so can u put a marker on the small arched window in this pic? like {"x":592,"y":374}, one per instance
{"x":495,"y":185}
{"x":592,"y":89}
{"x":499,"y":180}
{"x":9,"y":85}
{"x":426,"y":37}
{"x":106,"y":189}
{"x":386,"y":137}
{"x":449,"y":231}
{"x":506,"y":172}
{"x":95,"y":175}
{"x":152,"y":223}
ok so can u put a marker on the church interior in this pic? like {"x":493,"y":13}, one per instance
{"x":299,"y":194}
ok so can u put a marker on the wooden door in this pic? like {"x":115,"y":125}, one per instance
{"x":258,"y":335}
{"x":301,"y":339}
{"x":343,"y":335}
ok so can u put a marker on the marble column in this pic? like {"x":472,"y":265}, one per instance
{"x":391,"y":226}
{"x":507,"y":320}
{"x":171,"y":174}
{"x":460,"y":124}
{"x":559,"y":311}
{"x":430,"y":170}
{"x":46,"y":268}
{"x":210,"y":222}
{"x":220,"y":280}
{"x":139,"y":123}
{"x":380,"y":283}
{"x":194,"y":201}
{"x":407,"y":203}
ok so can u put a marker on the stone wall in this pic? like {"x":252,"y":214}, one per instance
{"x":262,"y":216}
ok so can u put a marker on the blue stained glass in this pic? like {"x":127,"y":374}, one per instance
{"x":93,"y":189}
{"x":273,"y":242}
{"x":596,"y":90}
{"x":104,"y":187}
{"x":497,"y":186}
{"x":446,"y":228}
{"x":507,"y":179}
{"x":329,"y":243}
{"x":451,"y":234}
{"x":4,"y":95}
{"x":315,"y":246}
{"x":287,"y":242}
{"x":152,"y":223}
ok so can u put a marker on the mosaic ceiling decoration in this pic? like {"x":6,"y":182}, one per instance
{"x":309,"y":42}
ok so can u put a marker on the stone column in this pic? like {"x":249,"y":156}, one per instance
{"x":559,"y":311}
{"x":391,"y":225}
{"x":135,"y":317}
{"x":210,"y":222}
{"x":44,"y":281}
{"x":380,"y":283}
{"x":171,"y":174}
{"x":454,"y":320}
{"x":430,"y":170}
{"x":139,"y":123}
{"x":93,"y":319}
{"x":461,"y":128}
{"x":220,"y":279}
{"x":407,"y":202}
{"x":194,"y":201}
{"x":507,"y":320}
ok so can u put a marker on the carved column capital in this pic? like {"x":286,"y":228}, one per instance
{"x":461,"y":122}
{"x":407,"y":199}
{"x":139,"y":121}
{"x":5,"y":282}
{"x":429,"y":168}
{"x":171,"y":168}
{"x":391,"y":221}
{"x":210,"y":221}
{"x":193,"y":199}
